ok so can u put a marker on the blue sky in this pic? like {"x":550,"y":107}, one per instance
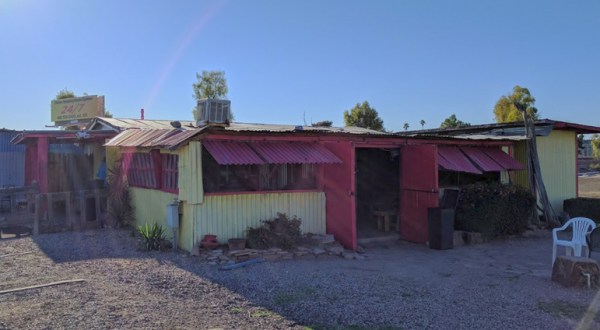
{"x":291,"y":61}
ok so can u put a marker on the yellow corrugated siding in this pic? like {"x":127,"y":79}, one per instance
{"x":151,"y":205}
{"x":112,"y":155}
{"x":228,"y":216}
{"x":558,"y":161}
{"x":520,"y":154}
{"x":557,"y":154}
{"x":190,"y":173}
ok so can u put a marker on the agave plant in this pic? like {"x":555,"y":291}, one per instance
{"x":152,"y":236}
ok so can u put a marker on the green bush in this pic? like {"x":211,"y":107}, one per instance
{"x":280,"y":232}
{"x":152,"y":237}
{"x":583,"y":207}
{"x":494,"y":209}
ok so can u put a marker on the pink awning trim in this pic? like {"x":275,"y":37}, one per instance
{"x":232,"y":153}
{"x":455,"y":160}
{"x":503,"y":159}
{"x":294,"y":153}
{"x":482,"y":159}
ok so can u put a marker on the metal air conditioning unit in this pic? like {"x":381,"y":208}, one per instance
{"x":213,"y":111}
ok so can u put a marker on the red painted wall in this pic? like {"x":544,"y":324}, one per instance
{"x":31,"y":164}
{"x":42,"y":158}
{"x":418,"y":190}
{"x":337,"y":182}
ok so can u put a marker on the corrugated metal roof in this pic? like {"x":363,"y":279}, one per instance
{"x":232,"y":153}
{"x":249,"y":127}
{"x":294,"y":153}
{"x":163,"y":138}
{"x":456,"y":161}
{"x":125,"y":123}
{"x":482,"y":159}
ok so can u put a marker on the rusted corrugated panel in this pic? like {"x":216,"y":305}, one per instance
{"x":229,"y":216}
{"x":162,"y":138}
{"x":294,"y":153}
{"x":232,"y":153}
{"x":482,"y":159}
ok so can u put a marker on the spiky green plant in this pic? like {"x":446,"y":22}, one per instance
{"x":152,"y":236}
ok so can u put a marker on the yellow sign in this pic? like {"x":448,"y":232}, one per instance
{"x":76,"y":109}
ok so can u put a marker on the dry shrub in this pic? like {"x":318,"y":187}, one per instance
{"x":280,"y":232}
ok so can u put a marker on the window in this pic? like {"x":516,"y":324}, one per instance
{"x":264,"y":177}
{"x":152,"y":170}
{"x":170,"y":172}
{"x":140,"y":171}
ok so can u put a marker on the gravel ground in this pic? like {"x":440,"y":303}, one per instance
{"x":497,"y":285}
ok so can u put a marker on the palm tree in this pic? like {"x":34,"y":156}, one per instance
{"x":406,"y":126}
{"x":422,"y":122}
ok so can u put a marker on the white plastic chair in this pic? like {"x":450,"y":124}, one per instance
{"x":581,"y":227}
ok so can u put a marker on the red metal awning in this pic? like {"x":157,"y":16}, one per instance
{"x":455,"y":160}
{"x":232,"y":153}
{"x":503,"y":159}
{"x":482,"y":159}
{"x":294,"y":153}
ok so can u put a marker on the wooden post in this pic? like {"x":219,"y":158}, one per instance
{"x":68,"y":215}
{"x":97,"y":203}
{"x":36,"y":218}
{"x":50,"y":202}
{"x":13,"y":202}
{"x":82,"y":209}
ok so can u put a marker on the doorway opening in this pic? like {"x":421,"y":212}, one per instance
{"x":377,"y":192}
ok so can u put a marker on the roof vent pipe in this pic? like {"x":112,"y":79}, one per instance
{"x":142,"y":114}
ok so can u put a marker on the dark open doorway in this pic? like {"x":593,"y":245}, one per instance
{"x":377,"y":192}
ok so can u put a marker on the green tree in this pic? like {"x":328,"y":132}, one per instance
{"x":422,"y":122}
{"x":362,"y":115}
{"x":596,"y":146}
{"x":210,"y":85}
{"x":507,"y":108}
{"x":107,"y":114}
{"x":406,"y":126}
{"x":453,"y":122}
{"x":322,"y":123}
{"x":64,"y":94}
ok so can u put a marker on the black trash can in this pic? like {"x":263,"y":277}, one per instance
{"x":441,"y":228}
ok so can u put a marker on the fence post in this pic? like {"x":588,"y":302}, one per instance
{"x":36,"y":218}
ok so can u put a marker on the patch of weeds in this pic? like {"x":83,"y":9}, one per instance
{"x":406,"y":295}
{"x":515,"y":277}
{"x":264,"y":313}
{"x":237,"y":310}
{"x":565,"y":309}
{"x":286,"y":298}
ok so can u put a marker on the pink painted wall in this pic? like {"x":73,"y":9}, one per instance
{"x":337,"y":182}
{"x":31,"y":164}
{"x":418,"y":190}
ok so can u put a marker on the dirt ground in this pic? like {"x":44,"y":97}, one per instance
{"x":496,"y":285}
{"x":589,"y":186}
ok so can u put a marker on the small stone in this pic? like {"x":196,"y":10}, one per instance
{"x":360,"y":249}
{"x":318,"y":251}
{"x":348,"y":255}
{"x":335,"y":250}
{"x":223,"y":258}
{"x":212,"y":263}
